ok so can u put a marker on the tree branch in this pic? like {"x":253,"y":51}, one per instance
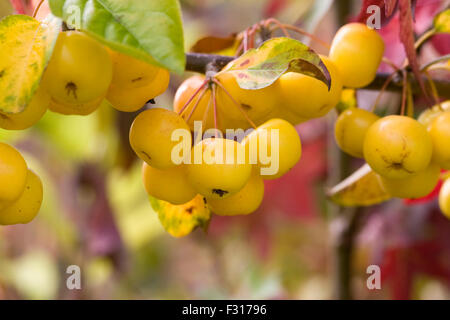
{"x":201,"y":62}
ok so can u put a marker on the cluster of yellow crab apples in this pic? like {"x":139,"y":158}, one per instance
{"x":253,"y":129}
{"x":406,"y":154}
{"x":21,"y":190}
{"x":221,"y":141}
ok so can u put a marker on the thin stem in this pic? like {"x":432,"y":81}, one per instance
{"x":390,"y":63}
{"x":382,"y":90}
{"x":252,"y":33}
{"x":307,"y":34}
{"x":434,"y":91}
{"x":214,"y":88}
{"x":236,"y":103}
{"x":192,"y":98}
{"x":404,"y":92}
{"x":205,"y":114}
{"x":200,"y":97}
{"x":279,"y":25}
{"x":36,"y":10}
{"x":431,"y":63}
{"x":245,"y":40}
{"x":424,"y":38}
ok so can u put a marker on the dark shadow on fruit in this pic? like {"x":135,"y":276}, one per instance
{"x":72,"y":88}
{"x":220,"y":192}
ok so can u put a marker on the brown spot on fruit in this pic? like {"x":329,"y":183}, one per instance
{"x":146,"y":155}
{"x":220,"y":192}
{"x":2,"y":73}
{"x":246,"y":106}
{"x":72,"y":88}
{"x":190,"y":210}
{"x":136,"y":80}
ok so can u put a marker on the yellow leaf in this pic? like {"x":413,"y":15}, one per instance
{"x":180,"y":220}
{"x":25,"y":49}
{"x":362,"y":188}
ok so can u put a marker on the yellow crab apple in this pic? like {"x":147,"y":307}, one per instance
{"x":351,"y":128}
{"x":357,"y":51}
{"x":397,"y":147}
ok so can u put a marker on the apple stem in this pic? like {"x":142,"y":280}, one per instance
{"x":36,"y":10}
{"x":214,"y":87}
{"x":404,"y":91}
{"x":200,"y":96}
{"x":217,"y":82}
{"x":192,"y":97}
{"x":382,"y":90}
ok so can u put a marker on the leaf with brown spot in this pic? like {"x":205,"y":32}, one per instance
{"x":180,"y":220}
{"x":259,"y":68}
{"x":25,"y":48}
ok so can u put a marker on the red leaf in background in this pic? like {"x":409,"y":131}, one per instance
{"x":407,"y":242}
{"x":19,"y":7}
{"x":388,"y":8}
{"x":441,"y":42}
{"x":395,"y":51}
{"x":273,"y":7}
{"x":407,"y":38}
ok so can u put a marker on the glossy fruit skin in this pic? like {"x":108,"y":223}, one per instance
{"x":415,"y":186}
{"x":289,"y":147}
{"x":13,"y":174}
{"x":170,"y":185}
{"x":351,"y":128}
{"x":184,"y":92}
{"x":308,"y":97}
{"x":427,"y":116}
{"x":357,"y":52}
{"x":28,"y":117}
{"x":246,"y":201}
{"x":218,"y":179}
{"x":258,"y":104}
{"x":80,"y":70}
{"x":444,"y":198}
{"x":81,"y":109}
{"x":129,"y":72}
{"x":397,"y":147}
{"x":439,"y":130}
{"x":132,"y":99}
{"x":24,"y":209}
{"x":151,"y":136}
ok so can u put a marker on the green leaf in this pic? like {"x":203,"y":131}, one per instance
{"x":180,"y":220}
{"x":148,"y":30}
{"x":259,"y":68}
{"x":442,"y":22}
{"x":26,"y":45}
